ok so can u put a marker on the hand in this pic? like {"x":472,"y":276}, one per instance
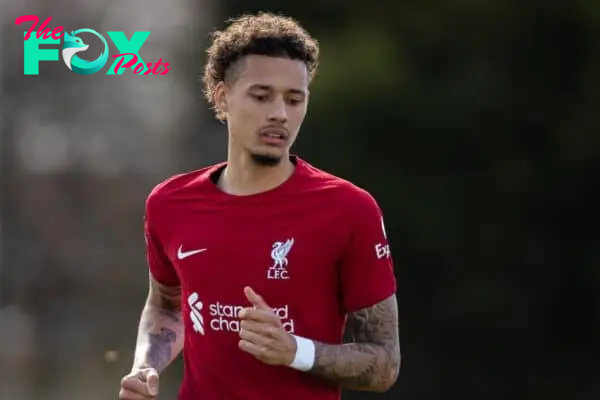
{"x":139,"y":384}
{"x":262,"y":333}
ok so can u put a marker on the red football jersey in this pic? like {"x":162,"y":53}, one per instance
{"x":314,"y":248}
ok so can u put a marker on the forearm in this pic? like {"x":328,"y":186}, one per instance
{"x":357,"y":366}
{"x":372,"y":360}
{"x":160,"y":338}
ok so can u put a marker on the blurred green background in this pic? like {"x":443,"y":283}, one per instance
{"x":474,"y":124}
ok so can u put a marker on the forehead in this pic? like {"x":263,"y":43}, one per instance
{"x":277,"y":72}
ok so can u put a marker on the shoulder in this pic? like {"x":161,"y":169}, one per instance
{"x":351,"y":196}
{"x":174,"y":185}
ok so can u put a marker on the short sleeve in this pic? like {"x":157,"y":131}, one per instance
{"x":367,"y":269}
{"x":159,"y":264}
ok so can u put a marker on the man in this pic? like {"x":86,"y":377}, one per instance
{"x":258,"y":264}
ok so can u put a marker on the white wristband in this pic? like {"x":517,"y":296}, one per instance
{"x":305,"y":354}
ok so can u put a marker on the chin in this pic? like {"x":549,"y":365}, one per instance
{"x":267,"y":159}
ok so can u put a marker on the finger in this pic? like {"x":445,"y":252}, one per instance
{"x":255,"y":338}
{"x":125,"y":394}
{"x":266,"y":329}
{"x":152,"y":382}
{"x":251,"y":348}
{"x":245,"y":311}
{"x":256,"y":300}
{"x":251,"y":325}
{"x":135,"y":385}
{"x":261,"y":316}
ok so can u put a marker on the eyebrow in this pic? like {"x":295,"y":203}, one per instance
{"x":267,"y":87}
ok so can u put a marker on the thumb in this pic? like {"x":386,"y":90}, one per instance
{"x":255,"y":299}
{"x":152,"y":381}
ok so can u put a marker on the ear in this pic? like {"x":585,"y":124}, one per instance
{"x":220,"y":97}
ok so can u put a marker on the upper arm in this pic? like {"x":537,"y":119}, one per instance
{"x":164,"y":288}
{"x":161,"y":268}
{"x":366,"y":269}
{"x":167,"y":298}
{"x":376,"y":324}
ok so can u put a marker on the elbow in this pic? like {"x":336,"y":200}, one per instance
{"x":388,"y":383}
{"x":380,"y":383}
{"x":389,"y":377}
{"x":394,"y":373}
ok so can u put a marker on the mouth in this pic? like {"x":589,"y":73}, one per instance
{"x":274,"y":136}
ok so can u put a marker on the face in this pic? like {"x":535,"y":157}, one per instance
{"x":265,"y":106}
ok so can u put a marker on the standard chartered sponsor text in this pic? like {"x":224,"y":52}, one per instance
{"x":224,"y":317}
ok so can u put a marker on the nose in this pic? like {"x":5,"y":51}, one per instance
{"x":278,"y":111}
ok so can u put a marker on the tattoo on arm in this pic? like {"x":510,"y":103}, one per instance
{"x":165,"y":298}
{"x":372,"y":360}
{"x":159,"y":352}
{"x":161,"y":327}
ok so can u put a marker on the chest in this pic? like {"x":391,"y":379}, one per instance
{"x":279,"y":251}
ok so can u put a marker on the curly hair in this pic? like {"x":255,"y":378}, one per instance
{"x":261,"y":34}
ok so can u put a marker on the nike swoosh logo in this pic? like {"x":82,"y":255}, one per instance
{"x":185,"y":254}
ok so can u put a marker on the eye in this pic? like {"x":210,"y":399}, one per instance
{"x":260,"y":97}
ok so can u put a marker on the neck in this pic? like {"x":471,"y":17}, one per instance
{"x":243,"y":177}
